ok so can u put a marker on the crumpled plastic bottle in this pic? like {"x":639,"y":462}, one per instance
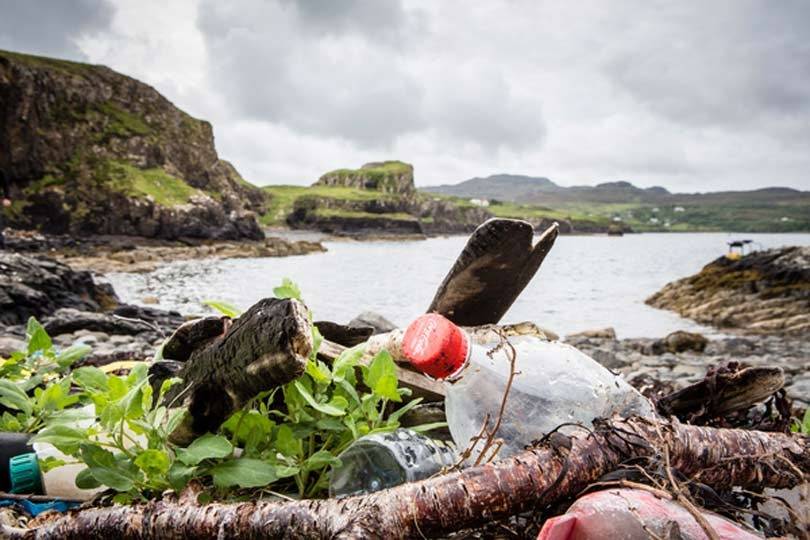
{"x":384,"y":460}
{"x":554,"y":385}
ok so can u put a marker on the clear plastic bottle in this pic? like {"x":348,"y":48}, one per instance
{"x":554,"y":384}
{"x":384,"y":460}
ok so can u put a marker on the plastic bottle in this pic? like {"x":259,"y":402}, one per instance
{"x":26,"y":477}
{"x":555,"y":384}
{"x":384,"y":460}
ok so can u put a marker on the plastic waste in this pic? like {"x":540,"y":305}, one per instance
{"x":384,"y":460}
{"x":555,"y":384}
{"x":634,"y":514}
{"x":21,"y":463}
{"x":26,"y":476}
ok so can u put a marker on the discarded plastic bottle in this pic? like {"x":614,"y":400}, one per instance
{"x":26,"y":476}
{"x":554,"y":384}
{"x":384,"y":460}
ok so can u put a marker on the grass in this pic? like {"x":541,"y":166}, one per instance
{"x":350,"y":214}
{"x":283,"y":199}
{"x":165,"y":189}
{"x":65,"y":66}
{"x":122,"y":122}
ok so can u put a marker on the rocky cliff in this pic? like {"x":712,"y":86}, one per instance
{"x":91,"y":151}
{"x":379,"y":198}
{"x":763,"y":292}
{"x":385,"y":177}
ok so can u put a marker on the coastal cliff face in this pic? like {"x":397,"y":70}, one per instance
{"x":384,"y":176}
{"x":91,"y":151}
{"x":765,"y":292}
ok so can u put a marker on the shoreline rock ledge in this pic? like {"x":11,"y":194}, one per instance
{"x":764,"y":292}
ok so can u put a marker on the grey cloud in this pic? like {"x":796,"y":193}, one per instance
{"x":735,"y":64}
{"x":50,"y":27}
{"x":353,"y":70}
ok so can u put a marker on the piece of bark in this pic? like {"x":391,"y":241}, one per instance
{"x":531,"y":480}
{"x":266,"y":347}
{"x":723,"y":391}
{"x":345,"y":335}
{"x":494,"y":267}
{"x":193,"y":335}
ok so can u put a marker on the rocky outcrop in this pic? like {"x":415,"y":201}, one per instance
{"x":763,"y":292}
{"x":91,"y":151}
{"x":37,"y":287}
{"x":389,"y":214}
{"x":385,"y":177}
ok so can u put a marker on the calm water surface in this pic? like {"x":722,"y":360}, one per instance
{"x":585,"y":282}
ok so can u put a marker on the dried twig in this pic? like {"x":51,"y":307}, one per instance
{"x":511,"y":353}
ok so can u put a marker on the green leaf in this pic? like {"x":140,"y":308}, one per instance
{"x":38,"y":338}
{"x":176,"y":418}
{"x":381,"y":376}
{"x":287,"y":289}
{"x":325,"y":408}
{"x":50,"y":463}
{"x":396,"y":415}
{"x":154,"y":463}
{"x":320,"y":459}
{"x":105,"y":469}
{"x":243,"y":424}
{"x":344,"y":364}
{"x":229,"y":310}
{"x":243,"y":472}
{"x":72,"y":354}
{"x":318,"y":371}
{"x":90,"y":378}
{"x":12,"y":397}
{"x":179,"y":475}
{"x":206,"y":447}
{"x":287,"y":443}
{"x":86,"y":480}
{"x":428,"y":427}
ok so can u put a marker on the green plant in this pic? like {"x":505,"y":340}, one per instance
{"x":802,"y":427}
{"x":288,"y":437}
{"x":34,"y":386}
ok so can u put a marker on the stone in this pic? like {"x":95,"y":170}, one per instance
{"x":9,"y":345}
{"x":38,"y":286}
{"x":680,"y":341}
{"x":600,"y":333}
{"x":376,"y":321}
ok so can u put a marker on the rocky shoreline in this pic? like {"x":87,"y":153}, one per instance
{"x":104,"y":254}
{"x":651,"y":366}
{"x":764,"y":292}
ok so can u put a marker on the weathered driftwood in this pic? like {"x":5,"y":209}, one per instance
{"x":265,"y":347}
{"x":193,"y":335}
{"x":723,"y":391}
{"x":532,"y":480}
{"x":345,"y":335}
{"x":495,"y":266}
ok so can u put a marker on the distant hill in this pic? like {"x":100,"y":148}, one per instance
{"x":91,"y":151}
{"x":654,"y":208}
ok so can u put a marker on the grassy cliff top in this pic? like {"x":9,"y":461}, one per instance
{"x":382,"y":167}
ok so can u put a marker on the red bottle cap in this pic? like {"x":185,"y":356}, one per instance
{"x":435,"y":346}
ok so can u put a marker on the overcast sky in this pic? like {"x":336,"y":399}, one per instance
{"x":692,"y":95}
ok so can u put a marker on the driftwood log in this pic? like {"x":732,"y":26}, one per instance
{"x":267,"y":346}
{"x":530,"y":481}
{"x":492,"y":270}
